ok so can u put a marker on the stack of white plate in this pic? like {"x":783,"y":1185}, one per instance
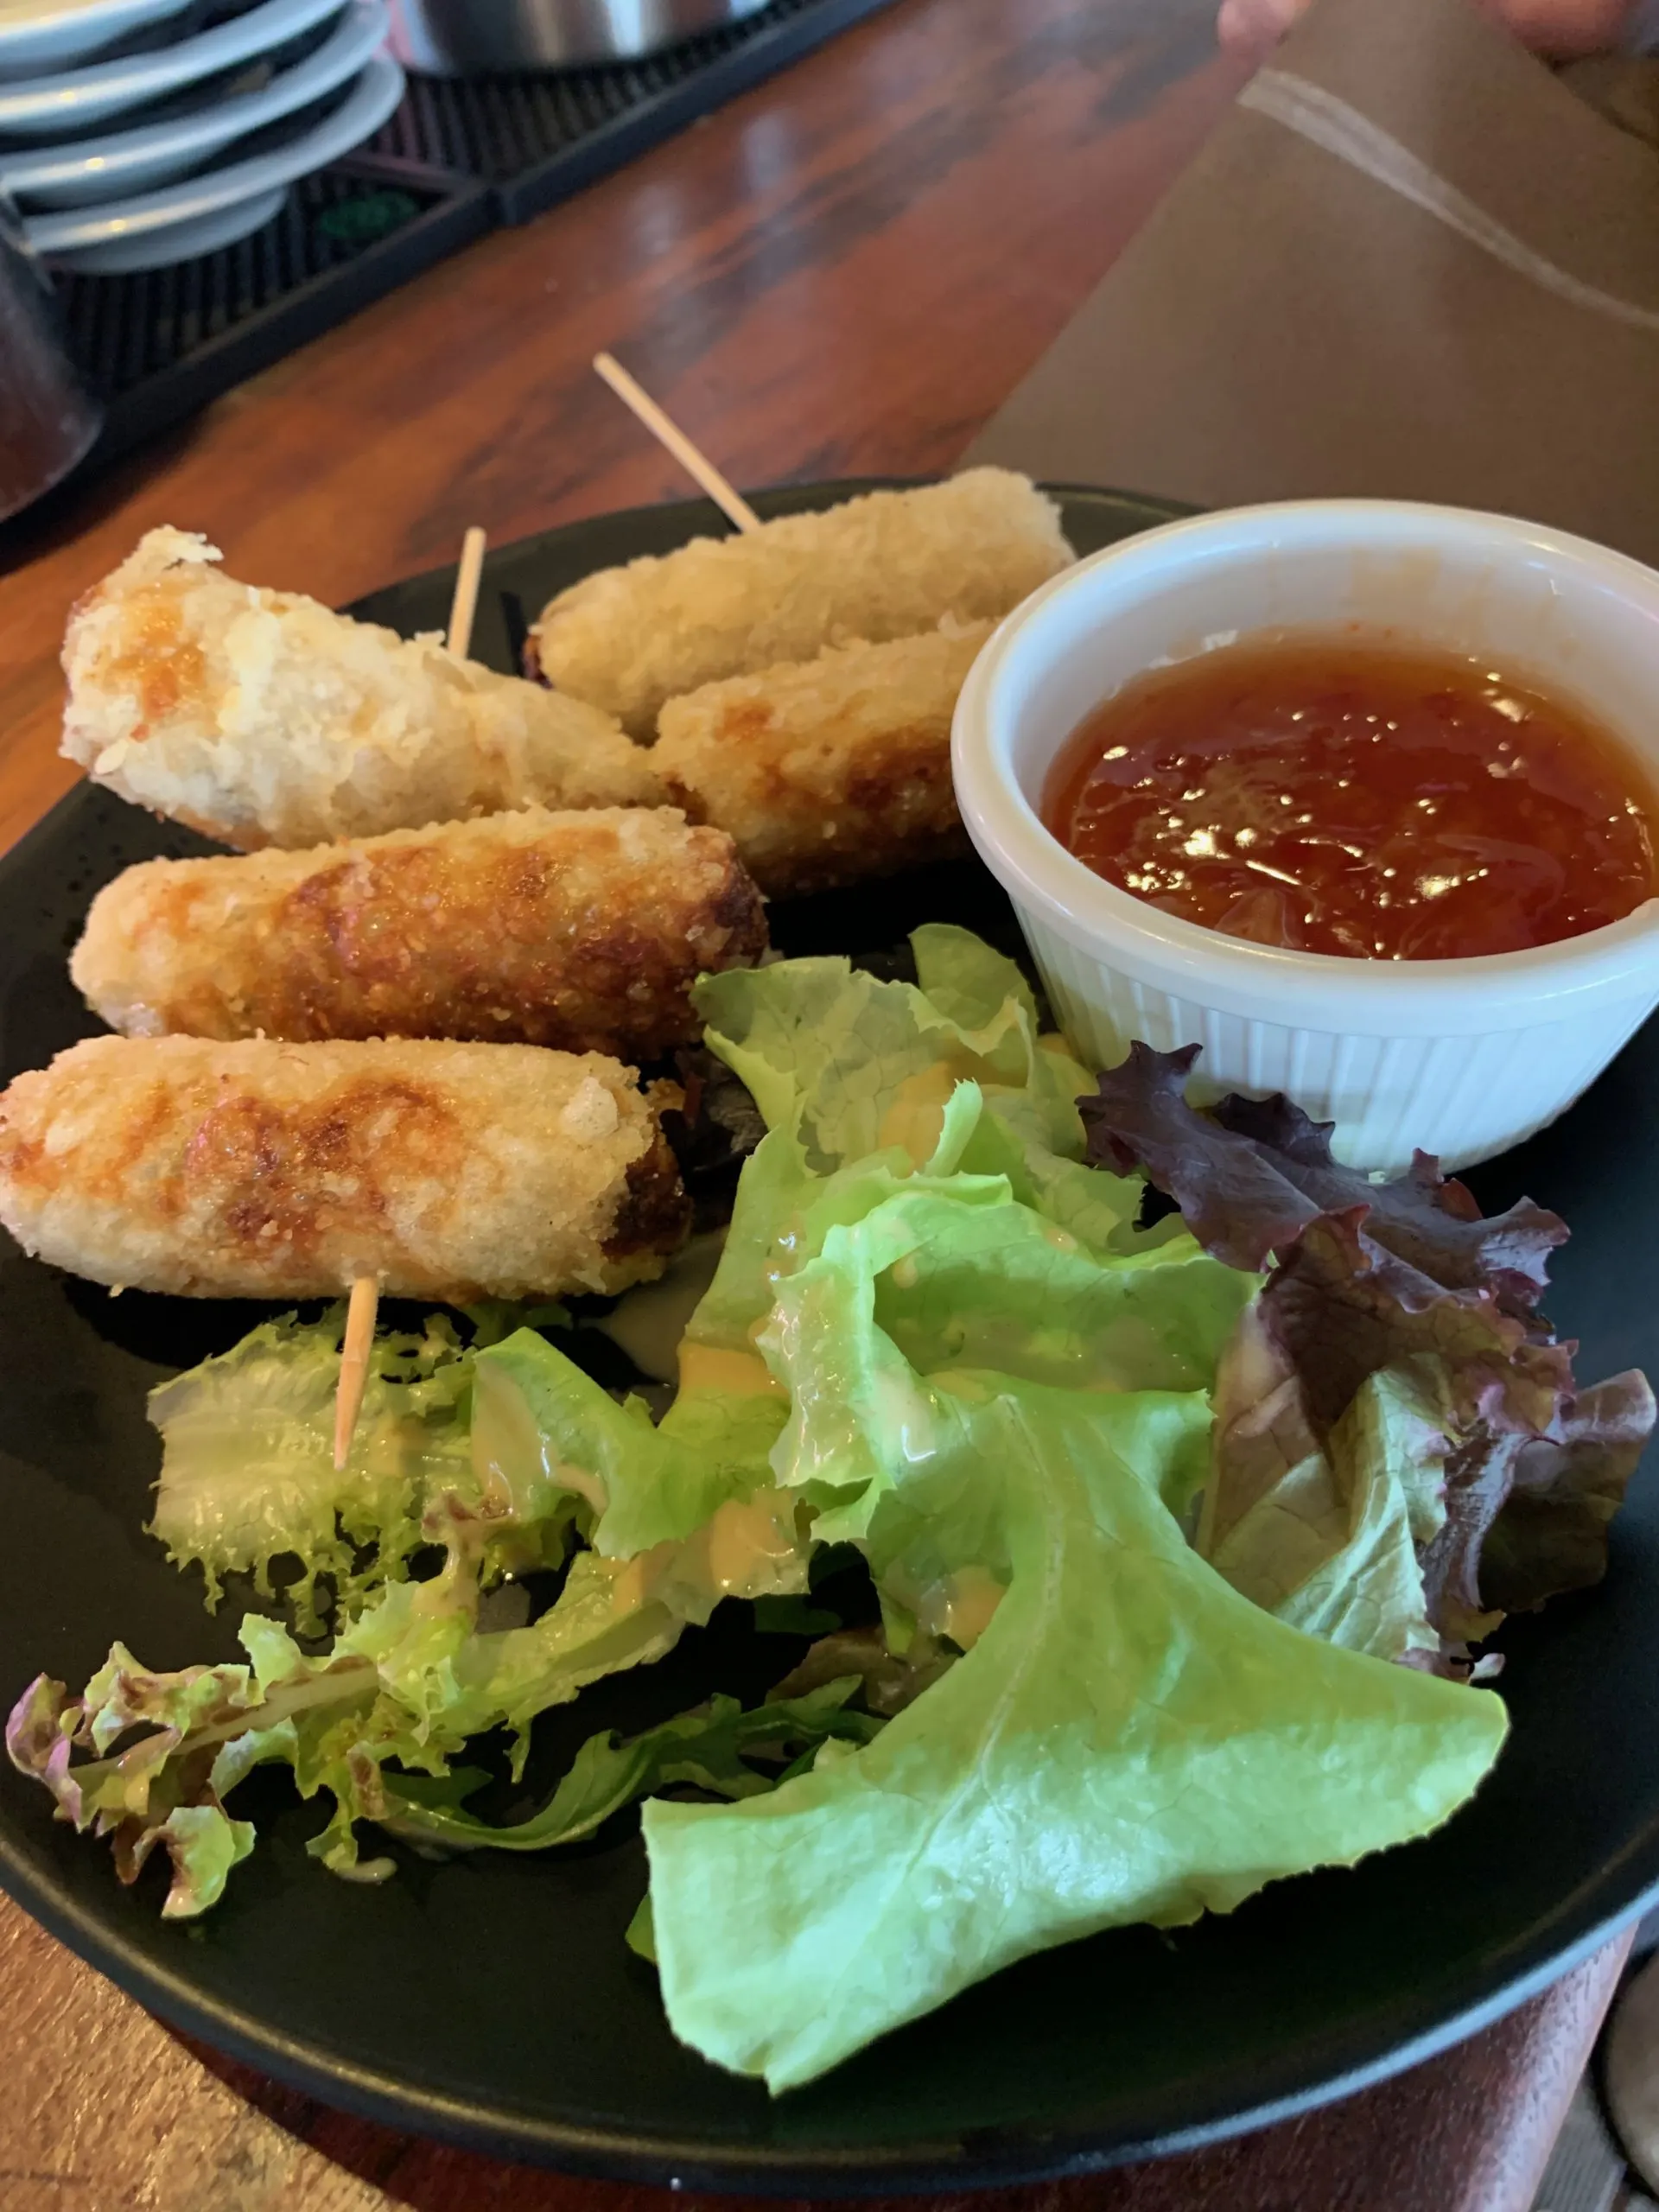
{"x":131,"y":137}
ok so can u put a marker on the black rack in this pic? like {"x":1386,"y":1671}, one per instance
{"x":457,"y":159}
{"x":157,"y":346}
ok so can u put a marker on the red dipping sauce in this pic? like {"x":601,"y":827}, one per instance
{"x":1331,"y":792}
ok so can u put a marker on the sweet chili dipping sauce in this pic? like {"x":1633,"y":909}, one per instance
{"x":1332,"y":792}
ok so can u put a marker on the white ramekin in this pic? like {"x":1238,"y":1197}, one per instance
{"x":1459,"y":1057}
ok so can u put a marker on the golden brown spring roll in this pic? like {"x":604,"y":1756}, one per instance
{"x":260,"y":718}
{"x":829,"y":769}
{"x":265,"y":1170}
{"x":883,"y":566}
{"x":584,"y":932}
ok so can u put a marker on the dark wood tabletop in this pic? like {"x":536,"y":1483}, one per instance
{"x":841,"y":273}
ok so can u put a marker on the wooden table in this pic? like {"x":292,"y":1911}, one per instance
{"x":841,"y":273}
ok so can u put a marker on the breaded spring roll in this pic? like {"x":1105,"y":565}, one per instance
{"x":585,"y":931}
{"x":265,"y":1170}
{"x":831,"y":769}
{"x":260,"y":718}
{"x":883,"y":566}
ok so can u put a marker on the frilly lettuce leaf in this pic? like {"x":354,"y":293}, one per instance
{"x":442,"y":1680}
{"x":408,"y":1683}
{"x":247,"y":1462}
{"x":1249,"y":1174}
{"x":204,"y":1729}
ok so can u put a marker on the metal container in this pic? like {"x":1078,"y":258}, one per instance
{"x":482,"y":38}
{"x":48,"y":418}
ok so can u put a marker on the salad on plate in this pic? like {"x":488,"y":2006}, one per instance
{"x":1179,"y":1476}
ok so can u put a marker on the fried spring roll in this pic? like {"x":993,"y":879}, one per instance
{"x":582,"y":931}
{"x":880,"y":566}
{"x":260,"y":718}
{"x":831,"y":769}
{"x":265,"y":1170}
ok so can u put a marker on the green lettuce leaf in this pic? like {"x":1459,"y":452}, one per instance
{"x":897,"y":1278}
{"x":866,"y":1086}
{"x":850,"y":1065}
{"x":1128,"y":1738}
{"x":1328,"y":1536}
{"x":711,"y":1749}
{"x":548,"y":1432}
{"x":247,"y":1459}
{"x":543,"y":1429}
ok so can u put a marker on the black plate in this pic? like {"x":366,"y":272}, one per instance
{"x":493,"y":2000}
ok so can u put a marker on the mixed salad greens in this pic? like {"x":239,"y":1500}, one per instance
{"x":1181,"y":1530}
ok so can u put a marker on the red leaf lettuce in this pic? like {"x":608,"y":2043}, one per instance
{"x":1401,"y":1283}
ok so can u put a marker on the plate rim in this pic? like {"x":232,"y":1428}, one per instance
{"x":206,"y":130}
{"x":65,"y":97}
{"x":755,"y":2169}
{"x":104,"y":20}
{"x":369,"y":100}
{"x":1013,"y":2156}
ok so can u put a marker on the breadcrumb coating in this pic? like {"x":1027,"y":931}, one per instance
{"x":265,"y":1170}
{"x":261,"y":718}
{"x":584,"y":932}
{"x":830,"y":770}
{"x":882,"y":566}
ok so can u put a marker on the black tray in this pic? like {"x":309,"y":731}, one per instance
{"x":493,"y":2000}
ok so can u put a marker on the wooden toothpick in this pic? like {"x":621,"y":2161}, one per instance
{"x":364,"y":1306}
{"x":464,"y":604}
{"x":354,"y":1362}
{"x":697,"y":465}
